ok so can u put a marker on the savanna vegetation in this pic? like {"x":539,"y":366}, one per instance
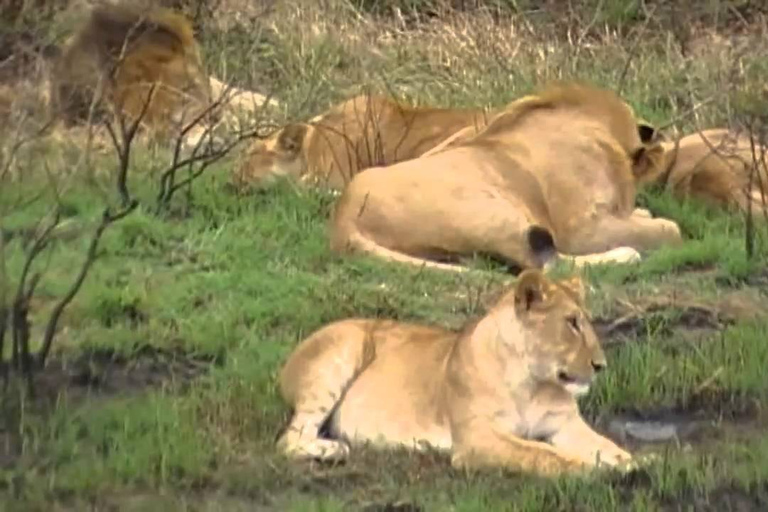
{"x":159,"y":391}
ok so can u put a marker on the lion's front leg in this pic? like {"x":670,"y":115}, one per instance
{"x":482,"y":446}
{"x":578,"y":439}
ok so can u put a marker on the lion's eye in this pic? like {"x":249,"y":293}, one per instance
{"x":573,"y":322}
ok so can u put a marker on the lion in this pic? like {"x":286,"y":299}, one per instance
{"x":501,"y":392}
{"x":354,"y":135}
{"x":714,"y":165}
{"x":551,"y":177}
{"x":120,"y":55}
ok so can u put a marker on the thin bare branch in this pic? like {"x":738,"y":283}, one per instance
{"x":4,"y":310}
{"x":204,"y":156}
{"x":633,"y":50}
{"x":107,"y":219}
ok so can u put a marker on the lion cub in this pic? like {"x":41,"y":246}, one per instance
{"x":502,"y":392}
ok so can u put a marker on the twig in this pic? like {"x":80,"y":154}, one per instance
{"x":633,"y":50}
{"x":690,"y":111}
{"x":749,"y":227}
{"x":585,"y":32}
{"x":168,"y":184}
{"x":708,"y":381}
{"x":4,"y":311}
{"x":107,"y":219}
{"x":20,"y":310}
{"x":124,"y":143}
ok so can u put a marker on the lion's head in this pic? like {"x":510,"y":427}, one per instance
{"x":120,"y":54}
{"x":276,"y":156}
{"x":557,"y":338}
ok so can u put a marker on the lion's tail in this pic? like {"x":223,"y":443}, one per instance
{"x":357,"y":241}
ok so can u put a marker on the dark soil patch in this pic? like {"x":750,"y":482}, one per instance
{"x":704,"y":418}
{"x":727,"y":497}
{"x":106,"y":373}
{"x":731,"y":499}
{"x":661,"y":319}
{"x":400,"y":506}
{"x":758,"y":279}
{"x":99,"y":374}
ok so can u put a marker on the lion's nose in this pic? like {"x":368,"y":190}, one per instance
{"x":598,"y":366}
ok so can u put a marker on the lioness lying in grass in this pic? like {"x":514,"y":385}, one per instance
{"x":362,"y":132}
{"x":501,"y":392}
{"x":719,"y":166}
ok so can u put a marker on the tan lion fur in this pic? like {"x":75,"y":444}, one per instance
{"x":354,"y":135}
{"x":501,"y":392}
{"x":118,"y":55}
{"x":715,"y":165}
{"x":554,"y":172}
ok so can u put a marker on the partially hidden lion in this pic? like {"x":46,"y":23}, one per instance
{"x":715,"y":165}
{"x":501,"y":392}
{"x":365,"y":131}
{"x":554,"y":174}
{"x":120,"y":54}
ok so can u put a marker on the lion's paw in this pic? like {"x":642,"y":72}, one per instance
{"x":638,"y":462}
{"x":612,"y":457}
{"x":669,"y":230}
{"x":627,"y":464}
{"x":319,"y":449}
{"x":641,"y":212}
{"x":622,"y":255}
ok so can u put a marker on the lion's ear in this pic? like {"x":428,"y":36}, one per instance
{"x":531,"y":290}
{"x":291,"y":138}
{"x":648,"y":162}
{"x":646,"y":131}
{"x":575,"y":285}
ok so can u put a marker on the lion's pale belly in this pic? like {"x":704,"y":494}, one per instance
{"x":398,"y":406}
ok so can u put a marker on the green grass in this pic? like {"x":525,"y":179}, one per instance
{"x":245,"y":280}
{"x":232,"y":287}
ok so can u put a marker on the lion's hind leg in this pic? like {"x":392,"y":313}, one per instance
{"x":315,"y":379}
{"x":301,"y":439}
{"x":619,"y":255}
{"x":610,"y":232}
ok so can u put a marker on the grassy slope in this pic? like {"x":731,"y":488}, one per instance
{"x":239,"y":282}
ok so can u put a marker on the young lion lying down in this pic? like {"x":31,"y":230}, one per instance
{"x":502,"y":392}
{"x":553,"y":173}
{"x":715,"y":165}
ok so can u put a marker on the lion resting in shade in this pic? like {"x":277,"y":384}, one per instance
{"x":715,"y":165}
{"x":362,"y":132}
{"x":553,"y":173}
{"x":501,"y":392}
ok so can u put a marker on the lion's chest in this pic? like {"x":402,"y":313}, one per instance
{"x":533,"y":422}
